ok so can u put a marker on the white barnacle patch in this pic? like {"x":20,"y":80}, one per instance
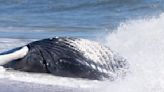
{"x":99,"y":69}
{"x":13,"y":56}
{"x":93,"y":66}
{"x":104,"y":71}
{"x":99,"y":54}
{"x":41,"y":61}
{"x":91,"y":50}
{"x":51,"y":38}
{"x":60,"y":60}
{"x":47,"y":64}
{"x":87,"y":64}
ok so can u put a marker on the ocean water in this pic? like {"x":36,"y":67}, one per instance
{"x":133,"y":28}
{"x":25,"y":19}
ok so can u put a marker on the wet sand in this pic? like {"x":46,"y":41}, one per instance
{"x":17,"y":86}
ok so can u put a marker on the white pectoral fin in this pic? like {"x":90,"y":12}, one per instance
{"x":13,"y":56}
{"x":5,"y":59}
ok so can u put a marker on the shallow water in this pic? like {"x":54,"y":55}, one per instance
{"x":46,"y":18}
{"x":134,"y":28}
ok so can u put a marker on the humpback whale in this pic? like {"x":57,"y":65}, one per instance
{"x":67,"y":57}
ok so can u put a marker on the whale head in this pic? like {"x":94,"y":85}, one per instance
{"x":23,"y":59}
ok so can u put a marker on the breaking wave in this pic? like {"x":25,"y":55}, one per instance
{"x":141,"y":42}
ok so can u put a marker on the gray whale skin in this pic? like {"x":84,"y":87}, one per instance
{"x":70,"y":57}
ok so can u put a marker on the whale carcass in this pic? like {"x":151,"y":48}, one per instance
{"x":67,"y":57}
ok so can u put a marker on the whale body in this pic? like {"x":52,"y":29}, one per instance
{"x":67,"y":57}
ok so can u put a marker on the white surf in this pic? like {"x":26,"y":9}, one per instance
{"x":140,"y":41}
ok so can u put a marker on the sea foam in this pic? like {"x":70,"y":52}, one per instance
{"x":141,"y":42}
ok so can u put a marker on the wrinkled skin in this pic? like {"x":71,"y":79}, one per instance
{"x":59,"y":58}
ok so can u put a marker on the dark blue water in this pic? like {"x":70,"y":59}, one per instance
{"x":81,"y":18}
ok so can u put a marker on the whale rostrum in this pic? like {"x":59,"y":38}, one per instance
{"x":67,"y":57}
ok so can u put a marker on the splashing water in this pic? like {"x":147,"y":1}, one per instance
{"x":141,"y":42}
